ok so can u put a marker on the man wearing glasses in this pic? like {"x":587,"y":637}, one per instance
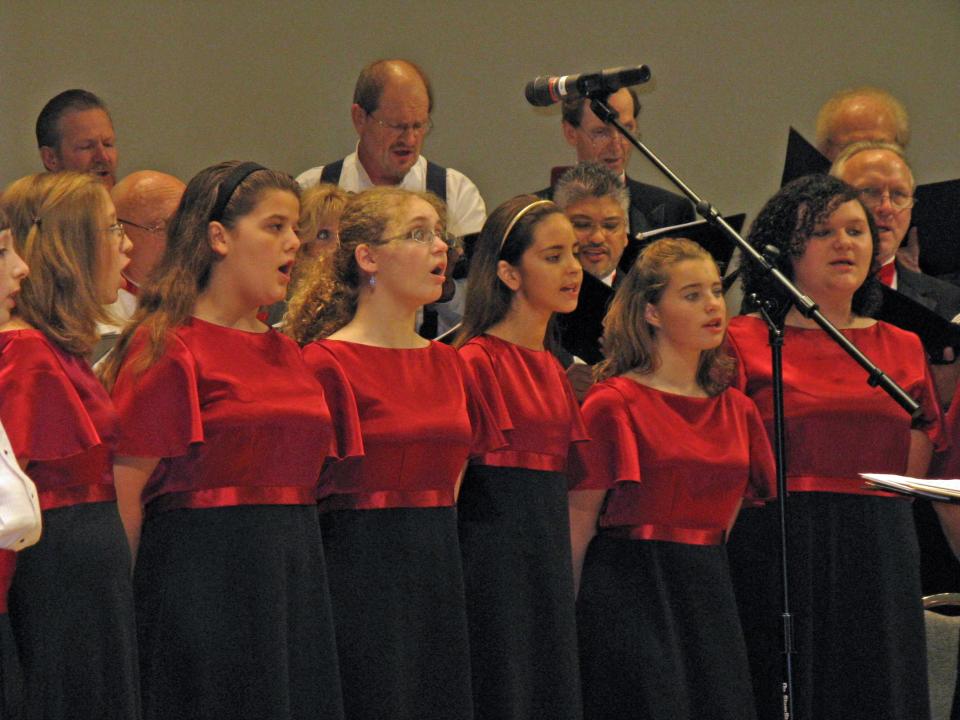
{"x":595,"y":201}
{"x":392,"y":102}
{"x":650,"y":207}
{"x":145,"y":202}
{"x":880,"y":172}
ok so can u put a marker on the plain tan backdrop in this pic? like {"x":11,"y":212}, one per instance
{"x":193,"y":83}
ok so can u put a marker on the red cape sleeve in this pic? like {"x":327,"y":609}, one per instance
{"x":483,"y":424}
{"x":44,"y":415}
{"x":479,"y":365}
{"x":763,"y":471}
{"x":348,"y":437}
{"x":611,"y":456}
{"x":159,"y":407}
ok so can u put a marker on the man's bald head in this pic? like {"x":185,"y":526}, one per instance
{"x":862,"y":114}
{"x":145,"y":201}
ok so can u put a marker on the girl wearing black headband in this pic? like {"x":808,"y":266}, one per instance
{"x":224,"y":436}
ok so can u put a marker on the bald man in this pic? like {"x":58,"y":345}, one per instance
{"x":145,"y":202}
{"x":865,"y":113}
{"x":882,"y":175}
{"x":392,"y":102}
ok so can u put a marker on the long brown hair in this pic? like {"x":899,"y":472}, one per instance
{"x":57,"y":224}
{"x":488,"y":299}
{"x":168,"y":297}
{"x":628,"y":339}
{"x":326,"y":298}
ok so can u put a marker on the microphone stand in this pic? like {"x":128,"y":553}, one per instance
{"x":808,"y":308}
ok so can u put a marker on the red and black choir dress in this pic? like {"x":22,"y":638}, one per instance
{"x":233,"y":607}
{"x":389,"y":527}
{"x":11,"y":679}
{"x":657,"y":620}
{"x":515,"y":538}
{"x":854,"y":565}
{"x":71,"y":599}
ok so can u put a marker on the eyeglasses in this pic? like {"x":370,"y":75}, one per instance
{"x":588,"y":227}
{"x":423,"y":236}
{"x":873,"y":198}
{"x":605,"y":135}
{"x":159,"y":229}
{"x":398,"y":129}
{"x":116,"y":229}
{"x":326,"y":235}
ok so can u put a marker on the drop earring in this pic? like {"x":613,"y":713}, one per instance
{"x":372,"y":281}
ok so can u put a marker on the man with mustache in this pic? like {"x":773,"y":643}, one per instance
{"x":392,"y":102}
{"x":595,"y":201}
{"x":75,"y":132}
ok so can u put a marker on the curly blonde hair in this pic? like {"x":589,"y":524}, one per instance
{"x":326,"y":298}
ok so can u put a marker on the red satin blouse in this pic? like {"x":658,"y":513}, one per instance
{"x":531,"y":400}
{"x":58,"y":415}
{"x":677,"y":467}
{"x":235,"y":416}
{"x":838,"y":426}
{"x":421,"y":418}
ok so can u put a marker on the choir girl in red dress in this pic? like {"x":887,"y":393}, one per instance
{"x":224,"y":434}
{"x":12,"y":272}
{"x":854,"y":567}
{"x":71,"y":603}
{"x":672,"y":456}
{"x":514,"y":531}
{"x":388,"y":520}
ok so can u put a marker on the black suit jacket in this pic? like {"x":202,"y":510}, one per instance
{"x":941,"y":297}
{"x":651,"y":207}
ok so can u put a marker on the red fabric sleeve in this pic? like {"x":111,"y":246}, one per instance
{"x":486,"y":433}
{"x":44,"y":416}
{"x":159,"y":408}
{"x":480,"y":366}
{"x":763,"y":471}
{"x":739,"y":380}
{"x":348,"y":436}
{"x":932,"y":421}
{"x":611,"y":455}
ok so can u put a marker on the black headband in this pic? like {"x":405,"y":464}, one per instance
{"x":229,"y":186}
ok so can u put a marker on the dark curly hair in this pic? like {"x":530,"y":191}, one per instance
{"x":786,"y":223}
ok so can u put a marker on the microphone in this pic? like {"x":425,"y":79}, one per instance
{"x":546,"y":90}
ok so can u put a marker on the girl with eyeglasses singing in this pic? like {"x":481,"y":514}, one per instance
{"x":71,"y":601}
{"x":674,"y":453}
{"x":224,"y":434}
{"x":514,"y":535}
{"x":389,"y":519}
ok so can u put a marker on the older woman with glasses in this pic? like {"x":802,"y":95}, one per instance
{"x":389,"y":520}
{"x":71,"y":601}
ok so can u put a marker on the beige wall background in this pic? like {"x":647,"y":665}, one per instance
{"x":193,"y":83}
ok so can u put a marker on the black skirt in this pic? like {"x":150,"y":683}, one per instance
{"x":659,"y":633}
{"x":233,"y":616}
{"x":855,"y":597}
{"x":400,"y":615}
{"x":515,"y":541}
{"x":71,"y":608}
{"x":11,"y":679}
